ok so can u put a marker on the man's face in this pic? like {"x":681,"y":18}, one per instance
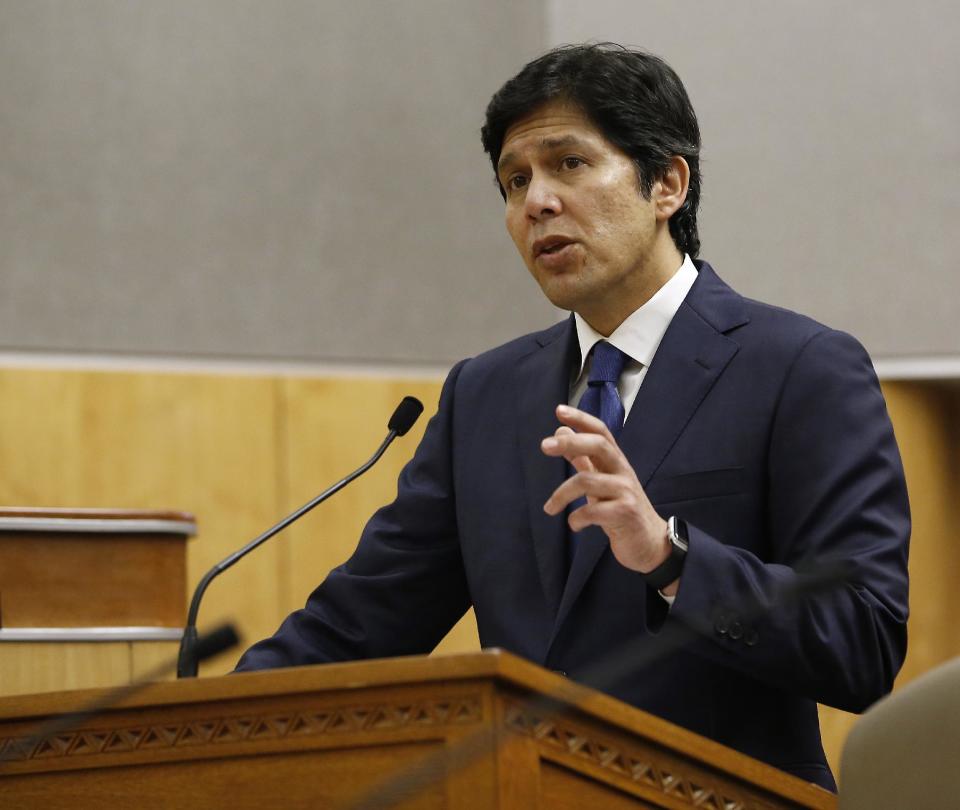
{"x":576,"y":214}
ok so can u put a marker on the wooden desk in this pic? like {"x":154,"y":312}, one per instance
{"x":314,"y":737}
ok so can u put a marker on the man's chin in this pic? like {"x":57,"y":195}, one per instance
{"x":562,"y":293}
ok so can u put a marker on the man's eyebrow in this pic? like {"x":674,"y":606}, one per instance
{"x":560,"y":142}
{"x":506,"y":160}
{"x":546,"y":144}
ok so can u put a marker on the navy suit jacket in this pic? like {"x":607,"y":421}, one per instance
{"x":764,"y":430}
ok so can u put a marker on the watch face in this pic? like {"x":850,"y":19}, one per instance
{"x":678,"y":533}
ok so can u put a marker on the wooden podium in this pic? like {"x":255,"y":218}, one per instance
{"x":466,"y":732}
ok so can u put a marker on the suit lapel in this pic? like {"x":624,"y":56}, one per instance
{"x":692,"y":355}
{"x":591,"y":543}
{"x":690,"y":359}
{"x":542,"y":383}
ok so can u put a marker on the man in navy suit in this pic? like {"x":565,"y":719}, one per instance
{"x":719,"y":446}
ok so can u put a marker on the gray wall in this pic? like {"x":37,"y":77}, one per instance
{"x":257,"y":179}
{"x":303,"y":180}
{"x":831,"y":150}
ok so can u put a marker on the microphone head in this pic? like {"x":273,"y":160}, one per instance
{"x":407,"y":412}
{"x":216,"y":641}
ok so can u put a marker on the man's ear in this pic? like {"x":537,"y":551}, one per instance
{"x":670,"y":191}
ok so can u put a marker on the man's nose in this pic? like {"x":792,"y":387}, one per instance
{"x":542,"y":199}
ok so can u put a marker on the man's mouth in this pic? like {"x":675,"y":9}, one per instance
{"x":550,"y":245}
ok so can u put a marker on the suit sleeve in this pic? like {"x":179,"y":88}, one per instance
{"x":836,"y":494}
{"x":403,"y":588}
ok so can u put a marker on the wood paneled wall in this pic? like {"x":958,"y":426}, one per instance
{"x":237,"y":451}
{"x":240,"y":451}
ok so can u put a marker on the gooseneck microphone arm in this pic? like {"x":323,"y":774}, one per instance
{"x":402,"y":420}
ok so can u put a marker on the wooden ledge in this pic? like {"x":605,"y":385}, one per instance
{"x":72,"y":635}
{"x":93,"y":567}
{"x":101,"y":521}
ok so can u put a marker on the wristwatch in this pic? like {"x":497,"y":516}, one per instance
{"x":670,"y":568}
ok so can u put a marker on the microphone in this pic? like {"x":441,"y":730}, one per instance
{"x":406,"y":413}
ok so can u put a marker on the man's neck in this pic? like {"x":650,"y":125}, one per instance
{"x":642,"y":285}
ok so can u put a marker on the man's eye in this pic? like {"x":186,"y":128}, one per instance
{"x":571,"y":162}
{"x":516,"y":182}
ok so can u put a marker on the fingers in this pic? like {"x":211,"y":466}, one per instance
{"x":590,"y":484}
{"x":616,"y":501}
{"x":603,"y":472}
{"x":579,"y":463}
{"x":581,"y":421}
{"x":601,"y":450}
{"x":606,"y":514}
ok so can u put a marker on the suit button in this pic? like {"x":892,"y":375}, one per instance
{"x":736,"y":630}
{"x":750,"y":638}
{"x":720,"y":624}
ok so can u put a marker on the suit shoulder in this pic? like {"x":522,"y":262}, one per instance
{"x":506,"y":355}
{"x":770,"y":336}
{"x":772,"y":318}
{"x":778,"y":343}
{"x":751,"y":323}
{"x":792,"y":331}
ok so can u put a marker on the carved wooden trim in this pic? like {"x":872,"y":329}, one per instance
{"x":632,"y":764}
{"x":375,"y":717}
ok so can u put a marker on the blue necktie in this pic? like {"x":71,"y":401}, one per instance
{"x":601,"y":399}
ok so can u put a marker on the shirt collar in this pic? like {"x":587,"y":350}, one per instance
{"x":640,"y":334}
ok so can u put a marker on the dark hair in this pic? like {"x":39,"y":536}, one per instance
{"x":635,"y":99}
